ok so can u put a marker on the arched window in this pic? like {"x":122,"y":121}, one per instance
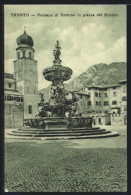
{"x":23,"y":54}
{"x":89,"y":103}
{"x":30,"y":109}
{"x":10,"y":85}
{"x":18,"y":55}
{"x":30,"y":55}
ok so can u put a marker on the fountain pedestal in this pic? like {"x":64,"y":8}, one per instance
{"x":56,"y":123}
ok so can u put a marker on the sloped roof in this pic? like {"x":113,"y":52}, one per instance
{"x":103,"y":86}
{"x":81,"y":93}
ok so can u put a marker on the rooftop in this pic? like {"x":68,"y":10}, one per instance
{"x":81,"y":93}
{"x":103,"y":86}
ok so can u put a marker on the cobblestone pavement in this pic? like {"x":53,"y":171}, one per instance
{"x":66,"y":166}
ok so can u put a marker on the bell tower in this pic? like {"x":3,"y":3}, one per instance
{"x":25,"y":67}
{"x":26,"y":75}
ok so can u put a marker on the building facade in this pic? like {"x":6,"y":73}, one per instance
{"x":107,"y":104}
{"x":13,"y":103}
{"x":123,"y":96}
{"x":105,"y":99}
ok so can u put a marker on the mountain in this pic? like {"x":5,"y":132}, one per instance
{"x":99,"y":74}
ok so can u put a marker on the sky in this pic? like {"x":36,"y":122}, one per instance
{"x":85,"y":40}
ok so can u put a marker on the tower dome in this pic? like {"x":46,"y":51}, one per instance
{"x":25,"y":39}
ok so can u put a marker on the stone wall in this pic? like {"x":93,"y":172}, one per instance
{"x":31,"y":100}
{"x":110,"y":119}
{"x":13,"y":115}
{"x":117,"y":119}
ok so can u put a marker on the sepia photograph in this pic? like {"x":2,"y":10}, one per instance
{"x":65,"y":98}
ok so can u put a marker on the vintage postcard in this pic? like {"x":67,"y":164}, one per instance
{"x":65,"y":98}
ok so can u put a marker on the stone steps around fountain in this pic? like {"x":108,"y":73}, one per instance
{"x":56,"y":135}
{"x":107,"y":135}
{"x":112,"y":134}
{"x":57,"y":132}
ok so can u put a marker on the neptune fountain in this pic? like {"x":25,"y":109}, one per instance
{"x":52,"y":113}
{"x":52,"y":121}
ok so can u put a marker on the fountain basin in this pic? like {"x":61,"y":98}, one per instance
{"x":57,"y":73}
{"x":51,"y":123}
